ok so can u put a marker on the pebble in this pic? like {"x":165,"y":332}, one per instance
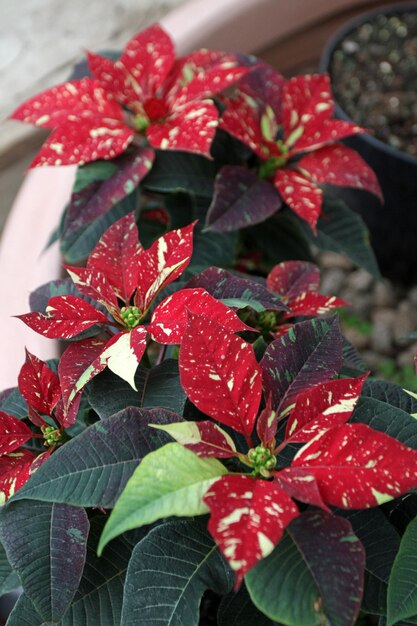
{"x":384,"y":294}
{"x":333,"y":281}
{"x":360,"y":281}
{"x":333,"y":260}
{"x":382,"y":338}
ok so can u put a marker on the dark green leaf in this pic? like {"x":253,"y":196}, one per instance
{"x":181,"y":559}
{"x":157,"y":387}
{"x":93,"y":468}
{"x":387,"y":419}
{"x":173,"y":171}
{"x":342,"y":230}
{"x":8,"y":579}
{"x":93,"y":172}
{"x":402,"y":586}
{"x":211,"y":249}
{"x":46,"y":545}
{"x":237,"y":609}
{"x":330,"y":561}
{"x":12,"y":402}
{"x":180,"y":207}
{"x":391,"y":393}
{"x":24,"y":614}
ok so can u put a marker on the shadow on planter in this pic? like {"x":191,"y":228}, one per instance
{"x":393,"y":226}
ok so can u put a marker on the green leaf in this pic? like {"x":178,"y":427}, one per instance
{"x":12,"y":402}
{"x":172,"y":172}
{"x":387,"y":419}
{"x":169,"y":481}
{"x":78,"y":246}
{"x":391,"y":393}
{"x":185,"y":561}
{"x":8,"y":579}
{"x":25,"y":614}
{"x":342,"y":230}
{"x":93,"y":468}
{"x":92,"y":172}
{"x":158,"y":387}
{"x":402,"y":586}
{"x":329,"y":560}
{"x":209,"y":249}
{"x":46,"y":545}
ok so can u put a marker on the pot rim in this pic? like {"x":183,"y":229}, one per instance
{"x":333,"y":44}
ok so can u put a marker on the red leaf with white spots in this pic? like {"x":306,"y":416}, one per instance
{"x":342,"y":166}
{"x":307,"y":103}
{"x":80,"y":141}
{"x":162,"y":263}
{"x":300,"y":485}
{"x":328,"y":132}
{"x":323,"y":406}
{"x":38,"y":384}
{"x":267,"y":424}
{"x":190,"y":128}
{"x":300,"y":194}
{"x":93,"y":284}
{"x":67,"y":316}
{"x":141,"y":69}
{"x":123,"y":353}
{"x":247,"y":520}
{"x":77,"y":366}
{"x":169,"y":319}
{"x":210,"y":72}
{"x":204,"y":438}
{"x":242,"y":119}
{"x":357,"y":467}
{"x":292,"y":278}
{"x":220,"y":374}
{"x":40,"y":460}
{"x":313,"y":304}
{"x":73,"y":100}
{"x":13,"y":433}
{"x":14,"y":472}
{"x":116,"y":256}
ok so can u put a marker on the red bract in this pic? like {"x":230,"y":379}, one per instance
{"x":41,"y":389}
{"x":166,"y":100}
{"x":346,"y":465}
{"x":124,"y":279}
{"x":297,"y":282}
{"x":281,"y":130}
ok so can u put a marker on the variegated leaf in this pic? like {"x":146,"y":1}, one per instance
{"x":247,"y":520}
{"x":323,"y":406}
{"x":79,"y":364}
{"x":94,"y":285}
{"x":169,"y":320}
{"x":342,"y":166}
{"x":357,"y":467}
{"x":117,"y":256}
{"x":300,"y":194}
{"x":204,"y":438}
{"x":123,"y":353}
{"x":240,"y":199}
{"x":264,"y":85}
{"x":301,"y":485}
{"x":13,"y":433}
{"x":84,"y":140}
{"x":313,"y":304}
{"x":162,"y":263}
{"x":38,"y":384}
{"x":67,"y":316}
{"x":220,"y":374}
{"x":83,"y":98}
{"x":292,"y":278}
{"x":190,"y":129}
{"x":267,"y":424}
{"x":308,"y":354}
{"x":223,"y":285}
{"x":14,"y":472}
{"x":307,"y":103}
{"x":241,"y":119}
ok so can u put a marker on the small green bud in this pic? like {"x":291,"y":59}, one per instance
{"x":131,"y":316}
{"x":262,"y":460}
{"x":141,"y":122}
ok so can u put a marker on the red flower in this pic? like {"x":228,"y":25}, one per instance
{"x":284,"y":121}
{"x":343,"y":465}
{"x":166,"y":99}
{"x":124,"y":280}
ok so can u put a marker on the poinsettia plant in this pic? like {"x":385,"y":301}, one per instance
{"x":208,"y":449}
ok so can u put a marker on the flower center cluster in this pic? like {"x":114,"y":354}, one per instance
{"x":51,"y":435}
{"x":262,"y":460}
{"x":131,"y":316}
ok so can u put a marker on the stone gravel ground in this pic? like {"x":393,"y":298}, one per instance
{"x":380,"y":320}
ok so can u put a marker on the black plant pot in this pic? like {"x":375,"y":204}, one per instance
{"x":393,"y":226}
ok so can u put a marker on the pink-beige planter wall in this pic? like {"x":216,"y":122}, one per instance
{"x":243,"y":25}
